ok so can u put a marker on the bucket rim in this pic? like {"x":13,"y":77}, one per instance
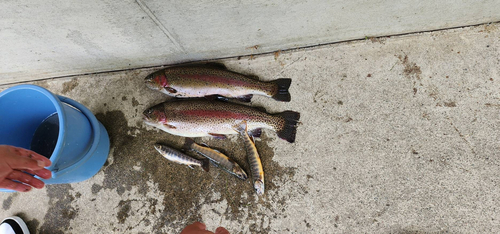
{"x":96,"y":135}
{"x":54,"y":157}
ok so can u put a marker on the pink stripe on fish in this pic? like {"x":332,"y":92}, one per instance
{"x":215,"y":79}
{"x":215,"y":114}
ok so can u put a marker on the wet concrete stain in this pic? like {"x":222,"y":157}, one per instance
{"x":32,"y":225}
{"x":69,"y":86}
{"x":7,"y":203}
{"x":184,"y":189}
{"x":58,"y":217}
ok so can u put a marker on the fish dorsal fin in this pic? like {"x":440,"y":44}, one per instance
{"x":216,"y":65}
{"x":254,"y":77}
{"x":209,"y":64}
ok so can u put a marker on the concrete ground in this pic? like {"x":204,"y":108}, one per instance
{"x":398,"y":135}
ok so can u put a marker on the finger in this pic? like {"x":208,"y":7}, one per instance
{"x":43,"y":173}
{"x":221,"y":230}
{"x":25,"y":163}
{"x":196,"y":227}
{"x":26,"y":179}
{"x":9,"y":184}
{"x":199,"y":225}
{"x":33,"y":155}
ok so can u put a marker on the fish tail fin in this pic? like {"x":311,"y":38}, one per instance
{"x":205,"y":164}
{"x":282,"y":93}
{"x":289,"y":129}
{"x":241,"y":127}
{"x":188,"y":143}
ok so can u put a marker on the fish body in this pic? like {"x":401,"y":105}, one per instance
{"x":256,"y":168}
{"x":202,"y":81}
{"x":199,"y":118}
{"x":218,"y":158}
{"x":178,"y":157}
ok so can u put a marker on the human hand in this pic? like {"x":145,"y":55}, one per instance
{"x":199,"y":228}
{"x":14,"y":161}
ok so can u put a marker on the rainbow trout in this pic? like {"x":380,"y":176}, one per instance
{"x":253,"y":158}
{"x":199,"y":118}
{"x":178,"y":157}
{"x":219,"y":159}
{"x":210,"y":80}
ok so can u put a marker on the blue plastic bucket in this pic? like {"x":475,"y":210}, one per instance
{"x":82,"y":144}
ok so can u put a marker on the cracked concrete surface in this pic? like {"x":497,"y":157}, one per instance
{"x":398,"y":135}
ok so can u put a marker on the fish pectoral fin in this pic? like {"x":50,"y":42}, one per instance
{"x":256,"y":132}
{"x":169,"y":126}
{"x":217,"y":97}
{"x":218,"y":136}
{"x":209,"y":64}
{"x":245,"y":98}
{"x":190,"y":166}
{"x":170,"y":90}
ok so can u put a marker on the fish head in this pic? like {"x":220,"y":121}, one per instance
{"x":259,"y":187}
{"x":240,"y":173}
{"x":158,"y":81}
{"x":154,"y":115}
{"x":158,"y":147}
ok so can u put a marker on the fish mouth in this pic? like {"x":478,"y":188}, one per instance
{"x":151,"y":84}
{"x":259,"y":187}
{"x":242,"y":176}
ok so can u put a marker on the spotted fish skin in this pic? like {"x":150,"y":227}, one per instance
{"x":200,"y":118}
{"x":178,"y":157}
{"x":256,"y":168}
{"x":219,"y":159}
{"x":201,"y":81}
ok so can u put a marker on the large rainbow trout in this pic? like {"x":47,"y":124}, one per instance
{"x":199,"y":118}
{"x":210,"y":80}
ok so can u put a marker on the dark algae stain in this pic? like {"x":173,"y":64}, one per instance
{"x":186,"y":190}
{"x":58,"y":217}
{"x":68,"y":86}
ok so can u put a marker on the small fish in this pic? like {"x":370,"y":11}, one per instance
{"x":178,"y":157}
{"x":215,"y":80}
{"x":218,"y":158}
{"x":201,"y":117}
{"x":253,"y":158}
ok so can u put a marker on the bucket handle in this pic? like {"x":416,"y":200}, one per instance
{"x":95,"y":128}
